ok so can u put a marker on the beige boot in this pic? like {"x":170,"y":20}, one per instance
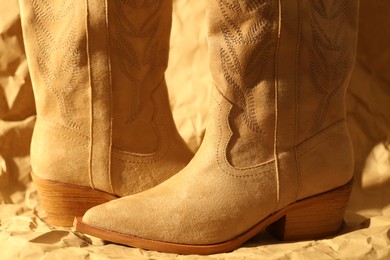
{"x":276,"y":152}
{"x":104,"y":127}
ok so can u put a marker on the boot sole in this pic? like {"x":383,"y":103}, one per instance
{"x":63,"y":202}
{"x":311,"y":218}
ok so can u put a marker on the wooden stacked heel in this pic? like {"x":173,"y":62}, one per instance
{"x":62,"y":202}
{"x":313,"y":218}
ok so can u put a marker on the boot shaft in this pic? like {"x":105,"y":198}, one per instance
{"x":139,"y":33}
{"x":58,"y":62}
{"x":281,"y":69}
{"x":284,"y":66}
{"x":97,"y":69}
{"x":114,"y":52}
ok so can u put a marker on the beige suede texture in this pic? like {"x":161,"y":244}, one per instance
{"x":209,"y":201}
{"x":103,"y":116}
{"x":276,"y":132}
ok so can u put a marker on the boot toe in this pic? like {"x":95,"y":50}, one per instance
{"x":110,"y":216}
{"x":131,"y":216}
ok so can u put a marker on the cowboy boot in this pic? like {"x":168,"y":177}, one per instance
{"x":276,"y":153}
{"x":104,"y":126}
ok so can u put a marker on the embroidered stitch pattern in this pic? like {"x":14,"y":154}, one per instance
{"x":243,"y":39}
{"x":58,"y":51}
{"x":125,"y":40}
{"x":330,"y":57}
{"x":245,"y":56}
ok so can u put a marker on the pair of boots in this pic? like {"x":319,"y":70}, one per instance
{"x":276,"y":154}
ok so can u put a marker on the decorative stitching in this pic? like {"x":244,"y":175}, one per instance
{"x":64,"y":72}
{"x":241,"y":80}
{"x":124,"y":34}
{"x":154,"y":157}
{"x":53,"y":128}
{"x":326,"y":74}
{"x":224,"y":148}
{"x":246,"y":32}
{"x":65,"y":128}
{"x":126,"y":162}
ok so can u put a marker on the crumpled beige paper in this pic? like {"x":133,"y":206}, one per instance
{"x":366,"y":234}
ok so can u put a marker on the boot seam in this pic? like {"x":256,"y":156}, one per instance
{"x":53,"y":127}
{"x":297,"y":98}
{"x":323,"y":136}
{"x":66,"y":128}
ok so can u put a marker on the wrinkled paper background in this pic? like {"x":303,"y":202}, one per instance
{"x":366,"y":235}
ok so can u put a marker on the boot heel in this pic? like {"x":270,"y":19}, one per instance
{"x":62,"y":202}
{"x":313,"y":218}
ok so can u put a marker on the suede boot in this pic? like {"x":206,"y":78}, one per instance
{"x":276,"y":154}
{"x":104,"y":126}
